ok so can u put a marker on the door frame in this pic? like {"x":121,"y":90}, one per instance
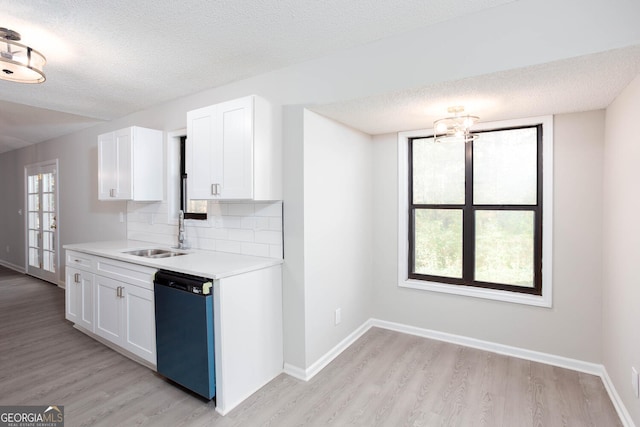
{"x":47,"y":163}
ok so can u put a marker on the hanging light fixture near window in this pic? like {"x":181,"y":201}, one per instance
{"x":457,"y":126}
{"x":18,"y":62}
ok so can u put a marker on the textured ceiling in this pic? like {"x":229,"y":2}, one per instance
{"x":579,"y":84}
{"x":107,"y":59}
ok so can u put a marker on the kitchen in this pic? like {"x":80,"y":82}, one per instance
{"x":351,"y":267}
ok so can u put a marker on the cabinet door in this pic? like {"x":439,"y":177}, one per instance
{"x":124,"y":164}
{"x":139,"y":322}
{"x":108,"y":305}
{"x":235,"y":121}
{"x":204,"y":154}
{"x":79,"y":297}
{"x":115,"y":165}
{"x":72,"y":294}
{"x":107,"y":171}
{"x":220,"y":151}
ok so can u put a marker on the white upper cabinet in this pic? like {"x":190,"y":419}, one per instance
{"x":130,"y":165}
{"x":232,"y":152}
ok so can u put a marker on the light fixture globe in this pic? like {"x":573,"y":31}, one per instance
{"x":457,"y":126}
{"x":19,"y":63}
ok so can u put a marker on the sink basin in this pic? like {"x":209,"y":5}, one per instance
{"x":154,"y":253}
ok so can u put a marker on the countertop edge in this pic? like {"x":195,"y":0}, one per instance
{"x":114,"y":250}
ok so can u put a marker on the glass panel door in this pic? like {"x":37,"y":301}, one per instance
{"x":42,"y":217}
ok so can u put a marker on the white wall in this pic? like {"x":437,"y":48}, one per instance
{"x":337,"y":231}
{"x":621,"y":311}
{"x":572,"y":328}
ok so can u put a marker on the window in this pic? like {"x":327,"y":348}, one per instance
{"x":193,"y":209}
{"x":475,"y":212}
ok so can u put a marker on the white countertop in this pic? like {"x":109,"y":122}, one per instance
{"x":209,"y":264}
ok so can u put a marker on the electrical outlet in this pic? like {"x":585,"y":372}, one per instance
{"x":338,"y":316}
{"x":635,"y":382}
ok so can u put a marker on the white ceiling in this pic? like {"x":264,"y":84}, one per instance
{"x":584,"y":83}
{"x":108,"y":59}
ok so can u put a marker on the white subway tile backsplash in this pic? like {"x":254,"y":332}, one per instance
{"x":275,"y":251}
{"x":232,"y":222}
{"x":229,"y":246}
{"x":269,"y":209}
{"x":216,"y":208}
{"x":269,"y":237}
{"x":261,"y":224}
{"x":255,"y":249}
{"x":240,"y":235}
{"x":248,"y":223}
{"x":275,"y":223}
{"x":207,"y":244}
{"x":240,"y":209}
{"x":214,"y":233}
{"x":251,"y":228}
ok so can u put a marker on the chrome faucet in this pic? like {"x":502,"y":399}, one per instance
{"x":181,"y":240}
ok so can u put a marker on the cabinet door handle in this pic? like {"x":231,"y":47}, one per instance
{"x":112,"y":192}
{"x":215,"y":189}
{"x":76,"y":277}
{"x":118,"y":291}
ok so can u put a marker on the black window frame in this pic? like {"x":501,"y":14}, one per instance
{"x":468,"y":213}
{"x":183,"y":184}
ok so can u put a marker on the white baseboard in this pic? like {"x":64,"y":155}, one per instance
{"x":311,"y":371}
{"x":624,"y":415}
{"x":521,"y":353}
{"x":13,"y":267}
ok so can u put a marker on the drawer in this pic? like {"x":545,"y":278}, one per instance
{"x":80,"y":260}
{"x":126,"y":272}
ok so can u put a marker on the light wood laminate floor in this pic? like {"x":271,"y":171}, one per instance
{"x":384,"y":379}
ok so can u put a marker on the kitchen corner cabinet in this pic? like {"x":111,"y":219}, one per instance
{"x":130,"y":165}
{"x":248,"y":334}
{"x":113,"y":300}
{"x":232,"y":152}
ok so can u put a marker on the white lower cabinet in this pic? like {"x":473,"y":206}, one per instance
{"x":139,"y":322}
{"x":116,"y":305}
{"x":125,"y":316}
{"x":248,"y":334}
{"x":79,"y":298}
{"x":108,"y":309}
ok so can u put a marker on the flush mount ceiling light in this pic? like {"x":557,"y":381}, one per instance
{"x":457,"y":126}
{"x":19,"y":63}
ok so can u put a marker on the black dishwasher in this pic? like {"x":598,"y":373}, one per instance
{"x":184,"y":331}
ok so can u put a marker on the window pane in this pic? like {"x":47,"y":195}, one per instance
{"x":505,"y":167}
{"x":504,"y":247}
{"x":438,"y":171}
{"x":438,"y":242}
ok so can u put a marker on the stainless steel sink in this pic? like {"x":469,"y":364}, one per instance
{"x":154,"y":253}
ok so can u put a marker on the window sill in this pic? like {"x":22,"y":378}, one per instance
{"x":492,"y":294}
